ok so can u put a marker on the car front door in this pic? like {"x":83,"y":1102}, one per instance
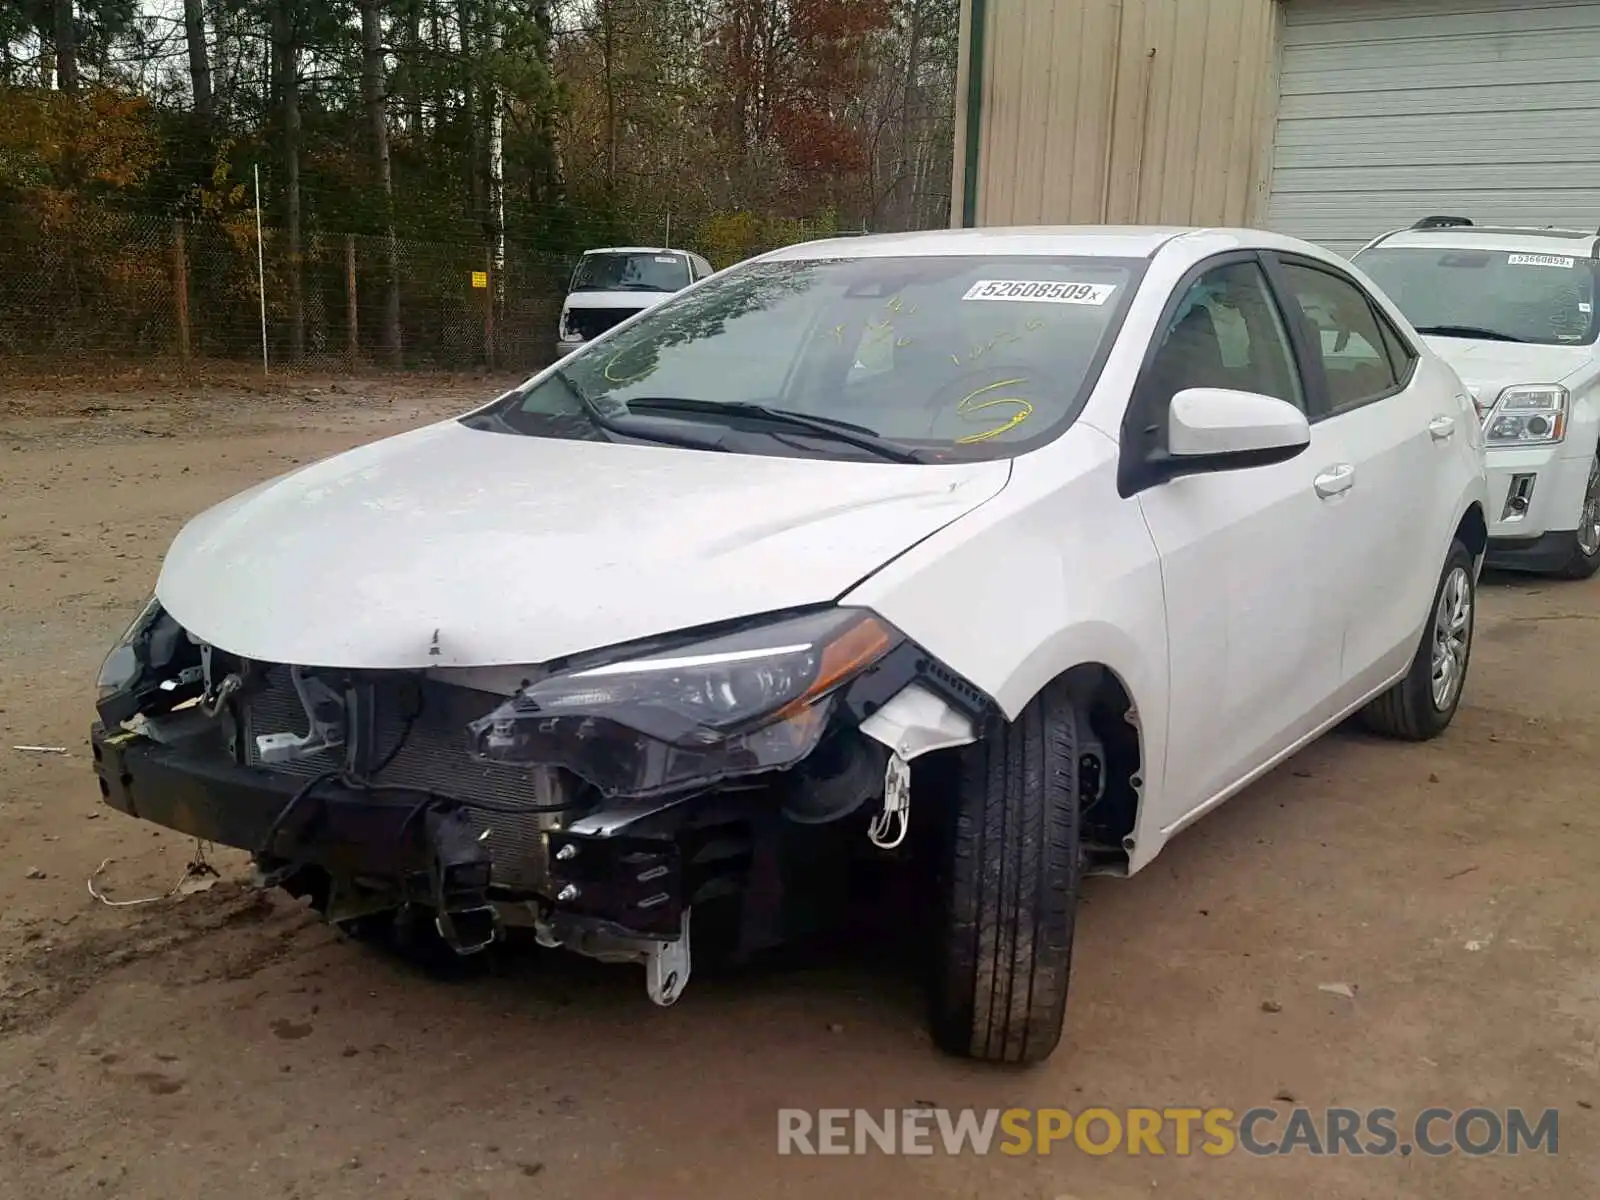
{"x":1390,"y":431}
{"x":1253,"y":632}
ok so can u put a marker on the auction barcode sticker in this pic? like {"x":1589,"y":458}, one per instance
{"x":1540,"y":260}
{"x":1040,"y":291}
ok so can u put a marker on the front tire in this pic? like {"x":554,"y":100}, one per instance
{"x":1422,"y":705}
{"x":1009,"y":888}
{"x":1585,"y":560}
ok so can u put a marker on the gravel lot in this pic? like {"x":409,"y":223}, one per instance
{"x":225,"y":1043}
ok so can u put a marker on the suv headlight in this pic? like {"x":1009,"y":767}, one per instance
{"x":745,"y":703}
{"x":1528,"y":415}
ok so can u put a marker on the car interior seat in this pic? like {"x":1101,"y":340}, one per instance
{"x":1191,"y":356}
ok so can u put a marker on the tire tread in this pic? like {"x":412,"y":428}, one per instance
{"x":1011,"y":889}
{"x":1580,"y":566}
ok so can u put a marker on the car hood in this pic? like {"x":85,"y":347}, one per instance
{"x":613,"y":300}
{"x":1489,"y":367}
{"x":449,"y":546}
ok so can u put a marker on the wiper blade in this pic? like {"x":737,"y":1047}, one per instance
{"x":829,"y":427}
{"x":645,"y":431}
{"x":589,"y":406}
{"x":1469,"y":331}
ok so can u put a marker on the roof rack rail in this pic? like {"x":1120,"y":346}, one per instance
{"x":1441,"y":223}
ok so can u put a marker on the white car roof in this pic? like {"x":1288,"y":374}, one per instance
{"x":1092,"y":241}
{"x":633,"y":250}
{"x":1570,"y":243}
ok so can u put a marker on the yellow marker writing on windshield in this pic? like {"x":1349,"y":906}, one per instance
{"x":882,"y":331}
{"x":1021,"y":410}
{"x":1005,"y":335}
{"x":621,"y":379}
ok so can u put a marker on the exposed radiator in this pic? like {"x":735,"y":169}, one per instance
{"x":435,"y":758}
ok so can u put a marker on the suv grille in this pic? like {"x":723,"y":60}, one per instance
{"x":435,"y":758}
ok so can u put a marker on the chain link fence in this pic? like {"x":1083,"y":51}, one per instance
{"x":86,"y":287}
{"x":107,"y":286}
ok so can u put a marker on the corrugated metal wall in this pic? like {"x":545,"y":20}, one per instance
{"x":1151,"y":111}
{"x":1391,"y":111}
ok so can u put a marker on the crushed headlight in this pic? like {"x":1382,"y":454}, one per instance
{"x":123,"y":666}
{"x":147,"y":653}
{"x":1528,"y":416}
{"x":744,"y":703}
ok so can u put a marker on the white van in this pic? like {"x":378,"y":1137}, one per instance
{"x":611,"y":284}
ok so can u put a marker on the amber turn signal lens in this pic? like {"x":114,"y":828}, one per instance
{"x":853,"y":651}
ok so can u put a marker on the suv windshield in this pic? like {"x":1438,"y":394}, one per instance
{"x":1496,"y":294}
{"x":631,"y":272}
{"x":948,"y":356}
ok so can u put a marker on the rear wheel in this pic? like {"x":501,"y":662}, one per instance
{"x":1585,"y":560}
{"x":1009,"y":887}
{"x":1423,"y":704}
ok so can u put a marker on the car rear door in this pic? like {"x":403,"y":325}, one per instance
{"x":1391,"y":436}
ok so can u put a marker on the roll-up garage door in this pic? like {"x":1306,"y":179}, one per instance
{"x":1391,"y":110}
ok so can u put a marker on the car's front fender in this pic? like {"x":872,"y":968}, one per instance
{"x":1055,"y":572}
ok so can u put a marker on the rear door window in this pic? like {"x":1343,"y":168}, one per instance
{"x":1344,"y":330}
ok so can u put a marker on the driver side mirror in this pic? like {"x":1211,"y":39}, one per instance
{"x":1215,"y":429}
{"x":1219,"y":429}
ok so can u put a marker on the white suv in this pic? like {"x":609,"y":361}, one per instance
{"x":1011,"y":551}
{"x":1513,"y":310}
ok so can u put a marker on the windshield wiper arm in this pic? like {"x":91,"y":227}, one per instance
{"x":840,"y":431}
{"x":643,"y":430}
{"x":589,"y":406}
{"x":1469,"y":331}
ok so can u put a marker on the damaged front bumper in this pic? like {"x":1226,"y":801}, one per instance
{"x":376,"y":793}
{"x":622,"y":880}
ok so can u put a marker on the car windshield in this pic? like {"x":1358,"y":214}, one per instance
{"x":971,"y":356}
{"x":621,"y":271}
{"x":1494,"y":294}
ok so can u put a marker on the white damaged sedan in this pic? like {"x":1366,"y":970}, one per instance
{"x":1006,"y":552}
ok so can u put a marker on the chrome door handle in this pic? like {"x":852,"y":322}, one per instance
{"x":1335,"y":480}
{"x":1442,"y":428}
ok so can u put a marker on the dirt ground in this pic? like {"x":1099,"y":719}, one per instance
{"x":226,"y":1044}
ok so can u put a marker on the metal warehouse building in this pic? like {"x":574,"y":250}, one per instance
{"x":1328,"y":119}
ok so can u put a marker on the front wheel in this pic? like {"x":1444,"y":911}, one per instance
{"x":1009,"y":888}
{"x":1585,"y":560}
{"x":1422,"y":704}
